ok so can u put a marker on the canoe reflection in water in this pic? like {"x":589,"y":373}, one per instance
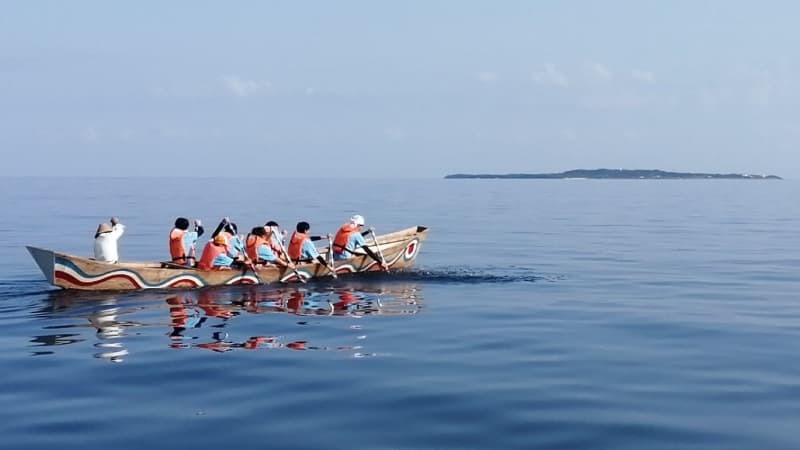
{"x":208,"y":319}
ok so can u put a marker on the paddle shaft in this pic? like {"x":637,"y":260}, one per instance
{"x":331,"y":265}
{"x":252,"y":265}
{"x":378,"y":246}
{"x":286,"y":255}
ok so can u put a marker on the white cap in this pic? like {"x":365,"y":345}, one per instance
{"x":357,"y":220}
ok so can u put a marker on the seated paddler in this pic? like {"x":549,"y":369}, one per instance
{"x":301,"y":246}
{"x":215,"y":255}
{"x":350,"y":238}
{"x":105,"y":241}
{"x":276,"y":236}
{"x":183,"y":243}
{"x":229,"y":231}
{"x":260,"y":251}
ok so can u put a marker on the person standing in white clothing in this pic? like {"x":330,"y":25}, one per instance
{"x":105,"y":241}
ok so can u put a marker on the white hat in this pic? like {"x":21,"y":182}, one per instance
{"x":357,"y":220}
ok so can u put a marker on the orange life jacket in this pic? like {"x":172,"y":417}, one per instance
{"x":229,"y":238}
{"x":210,"y":253}
{"x":343,"y":237}
{"x":176,"y":250}
{"x":253,"y":242}
{"x":296,"y":245}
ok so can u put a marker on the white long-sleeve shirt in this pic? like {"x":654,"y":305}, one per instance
{"x":105,"y":245}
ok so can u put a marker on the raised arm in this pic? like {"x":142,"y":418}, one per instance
{"x":117,"y":229}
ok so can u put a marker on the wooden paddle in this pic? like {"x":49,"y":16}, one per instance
{"x":286,"y":255}
{"x":378,"y":246}
{"x":251,"y":265}
{"x":331,"y":265}
{"x":243,"y":250}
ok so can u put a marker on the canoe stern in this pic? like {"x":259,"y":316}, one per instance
{"x":45,"y":259}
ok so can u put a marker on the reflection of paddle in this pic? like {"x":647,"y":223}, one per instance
{"x":331,"y":266}
{"x":378,"y":246}
{"x":286,"y":255}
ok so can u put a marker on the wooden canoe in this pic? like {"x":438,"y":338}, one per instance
{"x":399,"y":249}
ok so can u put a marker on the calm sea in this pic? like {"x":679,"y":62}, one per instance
{"x":541,"y":313}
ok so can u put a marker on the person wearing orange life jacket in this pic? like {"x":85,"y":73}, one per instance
{"x":182,"y":242}
{"x":276,"y":236}
{"x":350,"y":238}
{"x":215,"y":255}
{"x":259,"y":250}
{"x":301,"y":248}
{"x":235,"y":244}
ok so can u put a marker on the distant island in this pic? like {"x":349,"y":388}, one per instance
{"x":619,"y":174}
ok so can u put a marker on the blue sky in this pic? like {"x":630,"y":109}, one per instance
{"x":401,"y":89}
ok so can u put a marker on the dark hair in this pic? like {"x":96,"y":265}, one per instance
{"x":271,"y":223}
{"x":259,"y":231}
{"x":182,"y":223}
{"x":302,"y":227}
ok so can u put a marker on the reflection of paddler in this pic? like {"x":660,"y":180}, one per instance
{"x":255,"y":341}
{"x":105,"y":321}
{"x":180,"y":316}
{"x":219,"y":347}
{"x":177,"y":312}
{"x":205,"y":301}
{"x":346,"y":299}
{"x":295,"y":301}
{"x":297,"y":345}
{"x":275,"y":298}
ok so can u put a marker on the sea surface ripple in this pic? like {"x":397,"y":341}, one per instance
{"x":541,"y":314}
